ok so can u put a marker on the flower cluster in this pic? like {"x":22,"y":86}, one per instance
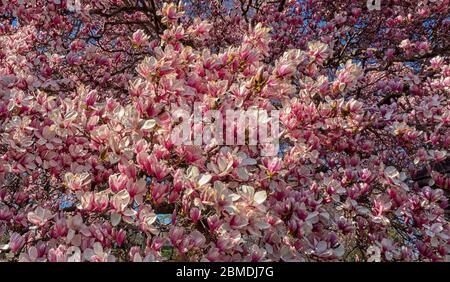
{"x":89,"y":172}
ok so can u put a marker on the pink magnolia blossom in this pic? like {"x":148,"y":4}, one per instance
{"x":16,"y":242}
{"x":139,"y":39}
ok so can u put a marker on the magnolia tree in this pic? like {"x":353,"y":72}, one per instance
{"x":355,"y":95}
